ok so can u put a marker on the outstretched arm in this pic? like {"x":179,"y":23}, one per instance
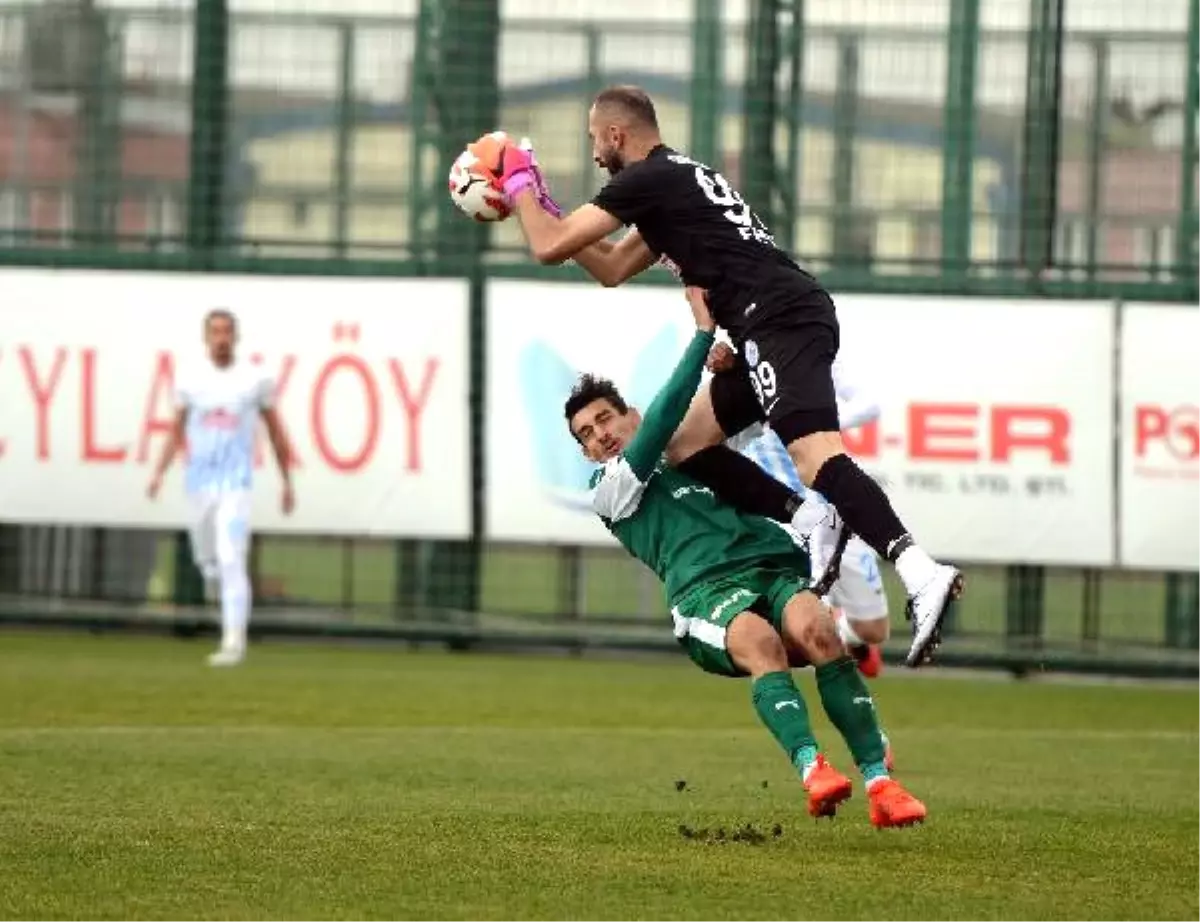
{"x":613,"y":264}
{"x":555,"y":240}
{"x":620,"y":485}
{"x":667,"y":410}
{"x":669,"y":406}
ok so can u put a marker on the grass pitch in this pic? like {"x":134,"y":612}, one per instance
{"x":319,"y":782}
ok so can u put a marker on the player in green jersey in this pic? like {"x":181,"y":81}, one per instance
{"x":737,"y":584}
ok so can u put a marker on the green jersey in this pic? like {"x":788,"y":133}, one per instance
{"x":667,"y":520}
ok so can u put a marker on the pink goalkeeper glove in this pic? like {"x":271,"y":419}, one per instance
{"x":517,"y":171}
{"x":541,"y":189}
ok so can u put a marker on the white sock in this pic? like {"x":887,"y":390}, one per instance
{"x":846,"y":631}
{"x":235,"y":605}
{"x":915,"y":568}
{"x":812,"y":512}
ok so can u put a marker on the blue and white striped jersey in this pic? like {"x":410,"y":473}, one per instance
{"x":223,"y":406}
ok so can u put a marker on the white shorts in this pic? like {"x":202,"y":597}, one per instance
{"x":220,"y":529}
{"x":859,"y":589}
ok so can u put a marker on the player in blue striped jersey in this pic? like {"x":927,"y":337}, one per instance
{"x":218,"y":405}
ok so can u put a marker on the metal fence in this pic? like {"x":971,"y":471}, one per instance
{"x":1015,"y":153}
{"x":974,"y":146}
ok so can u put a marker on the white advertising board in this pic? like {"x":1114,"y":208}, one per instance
{"x":371,"y":383}
{"x":1160,"y":437}
{"x":995,"y":441}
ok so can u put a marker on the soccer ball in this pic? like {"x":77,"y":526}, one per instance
{"x":473,"y":185}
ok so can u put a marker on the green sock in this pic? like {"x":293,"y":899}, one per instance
{"x":780,"y":707}
{"x":848,"y":703}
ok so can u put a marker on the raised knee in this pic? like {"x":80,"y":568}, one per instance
{"x":755,"y":646}
{"x":820,"y":640}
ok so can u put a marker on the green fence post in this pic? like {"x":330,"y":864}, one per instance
{"x":466,"y":104}
{"x":759,"y":109}
{"x":454,"y":568}
{"x":1171,"y":606}
{"x":406,"y":579}
{"x":10,"y":558}
{"x":1039,"y":180}
{"x":343,"y":168}
{"x":98,"y":177}
{"x":1092,"y":588}
{"x":789,"y":183}
{"x":97,"y":192}
{"x":1025,"y":606}
{"x":422,"y":130}
{"x":1188,"y":230}
{"x":210,"y":112}
{"x":958,"y":137}
{"x":1182,"y":611}
{"x":708,"y":82}
{"x":570,"y":582}
{"x":1192,"y":639}
{"x":846,"y":223}
{"x":1097,"y":139}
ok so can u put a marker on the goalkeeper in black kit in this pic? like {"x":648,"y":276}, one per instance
{"x":737,"y":584}
{"x":781,"y":320}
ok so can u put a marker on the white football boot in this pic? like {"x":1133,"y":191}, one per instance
{"x":927,"y":609}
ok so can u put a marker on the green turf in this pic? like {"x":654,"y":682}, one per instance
{"x":370,"y":783}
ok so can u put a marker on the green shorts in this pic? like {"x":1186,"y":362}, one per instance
{"x":702,"y":615}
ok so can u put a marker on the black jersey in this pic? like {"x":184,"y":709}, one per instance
{"x":689,"y":213}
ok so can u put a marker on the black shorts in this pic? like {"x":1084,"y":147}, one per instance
{"x":784,"y":374}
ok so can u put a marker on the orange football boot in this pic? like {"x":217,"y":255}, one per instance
{"x":891,"y":805}
{"x":827,"y":787}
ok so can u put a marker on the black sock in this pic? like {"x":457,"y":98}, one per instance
{"x":740,"y":482}
{"x":863,"y":504}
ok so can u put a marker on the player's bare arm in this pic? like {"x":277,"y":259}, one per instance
{"x":552,"y":240}
{"x":175,"y":441}
{"x":283,"y":455}
{"x":612,"y":264}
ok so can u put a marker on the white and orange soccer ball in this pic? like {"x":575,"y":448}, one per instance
{"x":474,"y":186}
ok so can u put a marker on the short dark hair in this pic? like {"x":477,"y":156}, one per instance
{"x":590,"y":388}
{"x":219,"y":313}
{"x":633,"y":101}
